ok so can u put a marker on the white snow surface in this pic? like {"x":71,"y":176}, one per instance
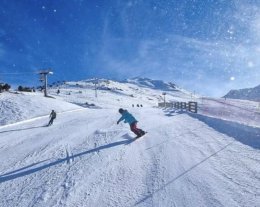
{"x":86,"y":159}
{"x":239,"y":111}
{"x":112,"y":94}
{"x":18,"y":107}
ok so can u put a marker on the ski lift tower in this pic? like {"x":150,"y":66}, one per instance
{"x":164,"y":93}
{"x":43,"y":78}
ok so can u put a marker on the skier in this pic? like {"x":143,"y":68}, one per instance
{"x":52,"y":117}
{"x":130,"y":119}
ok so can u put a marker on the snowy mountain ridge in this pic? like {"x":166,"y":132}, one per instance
{"x":154,"y":84}
{"x":140,"y":82}
{"x":246,"y":94}
{"x":111,"y":93}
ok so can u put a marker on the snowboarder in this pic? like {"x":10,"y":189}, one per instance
{"x":130,"y":119}
{"x":52,"y":117}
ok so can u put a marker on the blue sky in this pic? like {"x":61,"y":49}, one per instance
{"x":207,"y":46}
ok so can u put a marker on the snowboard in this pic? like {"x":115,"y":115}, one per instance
{"x":137,"y":137}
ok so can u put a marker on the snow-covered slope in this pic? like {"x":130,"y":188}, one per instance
{"x":74,"y":95}
{"x":246,"y":94}
{"x":154,"y":84}
{"x":238,"y":111}
{"x":21,"y":106}
{"x":147,"y":92}
{"x":113,"y":94}
{"x":85,"y":159}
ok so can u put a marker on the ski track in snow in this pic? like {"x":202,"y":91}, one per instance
{"x":85,"y":159}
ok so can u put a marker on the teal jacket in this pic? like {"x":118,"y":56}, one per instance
{"x":127,"y":117}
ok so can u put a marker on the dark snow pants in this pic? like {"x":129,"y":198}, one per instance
{"x":138,"y":132}
{"x":51,"y":121}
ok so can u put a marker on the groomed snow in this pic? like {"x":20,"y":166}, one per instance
{"x":85,"y":159}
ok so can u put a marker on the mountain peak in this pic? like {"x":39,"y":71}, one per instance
{"x":247,"y":94}
{"x":154,"y":84}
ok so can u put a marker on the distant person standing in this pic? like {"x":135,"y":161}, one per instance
{"x":130,"y":119}
{"x":52,"y":117}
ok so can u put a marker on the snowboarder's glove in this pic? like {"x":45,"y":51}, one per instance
{"x":117,"y":122}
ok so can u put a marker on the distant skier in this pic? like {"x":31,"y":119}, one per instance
{"x":130,"y":119}
{"x":52,"y":117}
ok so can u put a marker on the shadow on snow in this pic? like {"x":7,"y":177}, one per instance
{"x":173,"y":112}
{"x":15,"y":130}
{"x":17,"y":174}
{"x":245,"y":134}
